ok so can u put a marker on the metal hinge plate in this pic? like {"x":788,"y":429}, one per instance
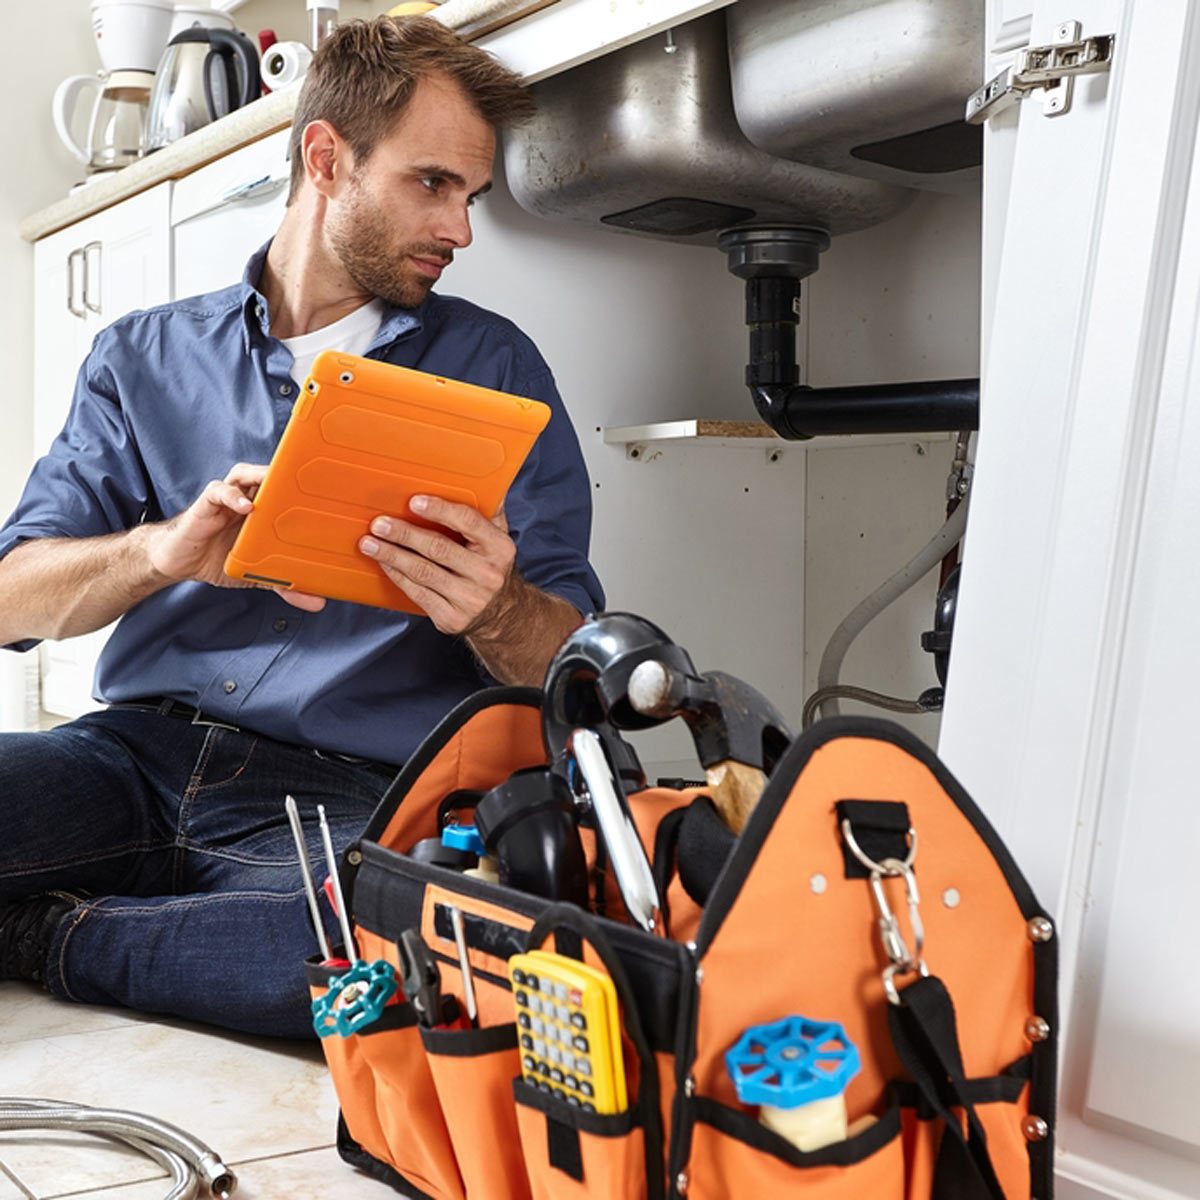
{"x":1048,"y":70}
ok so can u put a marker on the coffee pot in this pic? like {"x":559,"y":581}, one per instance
{"x":116,"y":127}
{"x":205,"y":74}
{"x":130,"y":36}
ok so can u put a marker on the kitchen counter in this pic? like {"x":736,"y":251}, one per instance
{"x":246,"y":125}
{"x":534,"y":38}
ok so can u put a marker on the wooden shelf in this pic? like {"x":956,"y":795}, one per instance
{"x":749,"y":435}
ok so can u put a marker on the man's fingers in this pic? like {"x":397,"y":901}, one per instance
{"x":246,"y":475}
{"x":429,"y":543}
{"x":302,"y":600}
{"x":220,"y":494}
{"x":462,"y":518}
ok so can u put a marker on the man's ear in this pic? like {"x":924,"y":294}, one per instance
{"x":327,"y":158}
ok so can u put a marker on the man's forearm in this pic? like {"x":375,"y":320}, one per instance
{"x":62,"y":587}
{"x":517,"y":644}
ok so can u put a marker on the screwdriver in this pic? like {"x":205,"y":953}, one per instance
{"x":310,"y":890}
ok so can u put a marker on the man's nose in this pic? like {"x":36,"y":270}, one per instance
{"x":455,"y":226}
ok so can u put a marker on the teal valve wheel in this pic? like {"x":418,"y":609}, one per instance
{"x":789,"y":1063}
{"x":354,"y":999}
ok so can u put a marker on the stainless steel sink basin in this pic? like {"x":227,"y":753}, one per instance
{"x":875,"y":88}
{"x":645,"y":140}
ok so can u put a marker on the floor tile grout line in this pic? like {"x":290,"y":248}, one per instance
{"x":114,"y":1189}
{"x":262,"y":1158}
{"x":16,"y":1182}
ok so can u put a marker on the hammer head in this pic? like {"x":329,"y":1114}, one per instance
{"x":729,"y":720}
{"x":587,"y":681}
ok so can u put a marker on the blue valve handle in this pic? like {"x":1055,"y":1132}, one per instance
{"x":792,"y":1062}
{"x":464,"y":837}
{"x":354,"y":999}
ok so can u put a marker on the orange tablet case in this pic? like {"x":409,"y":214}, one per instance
{"x":364,"y":438}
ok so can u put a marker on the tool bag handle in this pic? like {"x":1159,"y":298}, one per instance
{"x":925,"y":1035}
{"x":579,"y":927}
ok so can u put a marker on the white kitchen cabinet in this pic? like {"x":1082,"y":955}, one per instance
{"x":222,"y":213}
{"x":1071,"y":703}
{"x":86,"y":277}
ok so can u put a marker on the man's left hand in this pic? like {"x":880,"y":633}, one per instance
{"x":460,"y":586}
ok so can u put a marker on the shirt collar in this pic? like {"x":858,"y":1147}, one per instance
{"x":396,"y":321}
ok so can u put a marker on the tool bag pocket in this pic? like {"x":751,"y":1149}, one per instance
{"x":473,"y":1071}
{"x":733,"y":1155}
{"x":1001,"y":1104}
{"x":570,"y":1153}
{"x":387,"y":1095}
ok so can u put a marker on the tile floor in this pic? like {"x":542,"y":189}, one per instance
{"x":267,"y":1108}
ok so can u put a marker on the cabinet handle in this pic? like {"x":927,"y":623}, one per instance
{"x":75,"y":312}
{"x":87,"y":277}
{"x":255,"y":189}
{"x":268,"y":185}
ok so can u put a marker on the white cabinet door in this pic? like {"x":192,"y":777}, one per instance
{"x":222,"y":213}
{"x":86,"y":277}
{"x":1071,"y":703}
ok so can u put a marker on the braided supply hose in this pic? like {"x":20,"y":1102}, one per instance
{"x":194,"y":1168}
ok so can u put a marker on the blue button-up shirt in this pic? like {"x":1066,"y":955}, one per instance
{"x":171,"y":398}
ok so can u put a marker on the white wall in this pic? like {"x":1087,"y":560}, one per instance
{"x":44,"y":43}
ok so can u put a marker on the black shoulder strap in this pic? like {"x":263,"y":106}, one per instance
{"x":925,"y":1034}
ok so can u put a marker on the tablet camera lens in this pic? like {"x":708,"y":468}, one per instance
{"x":346,"y":377}
{"x":312,"y":386}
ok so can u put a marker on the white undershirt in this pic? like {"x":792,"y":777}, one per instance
{"x":351,"y":335}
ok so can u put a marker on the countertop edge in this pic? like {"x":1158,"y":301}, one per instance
{"x":240,"y":128}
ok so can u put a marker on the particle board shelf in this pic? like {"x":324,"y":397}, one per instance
{"x":749,"y":435}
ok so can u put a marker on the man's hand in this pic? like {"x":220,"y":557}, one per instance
{"x":195,"y":543}
{"x":473,"y":590}
{"x":463,"y":588}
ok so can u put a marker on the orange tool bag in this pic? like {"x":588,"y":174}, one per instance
{"x":947,"y":991}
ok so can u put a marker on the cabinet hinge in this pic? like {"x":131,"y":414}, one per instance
{"x":1050,"y":70}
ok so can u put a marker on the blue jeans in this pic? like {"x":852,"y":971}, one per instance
{"x":177,"y":833}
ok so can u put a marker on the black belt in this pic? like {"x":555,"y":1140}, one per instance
{"x":168,"y":706}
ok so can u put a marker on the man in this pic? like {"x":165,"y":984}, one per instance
{"x":145,"y":857}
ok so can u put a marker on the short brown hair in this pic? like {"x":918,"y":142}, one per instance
{"x":364,"y":74}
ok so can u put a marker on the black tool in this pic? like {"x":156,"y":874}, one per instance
{"x":421,"y":982}
{"x":530,"y":825}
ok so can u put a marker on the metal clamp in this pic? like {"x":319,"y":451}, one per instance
{"x":901,"y":960}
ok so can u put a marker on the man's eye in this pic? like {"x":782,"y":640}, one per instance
{"x":431,"y":183}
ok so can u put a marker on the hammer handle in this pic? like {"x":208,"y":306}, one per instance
{"x":735,"y":789}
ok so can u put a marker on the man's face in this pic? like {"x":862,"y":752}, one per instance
{"x":404,"y":209}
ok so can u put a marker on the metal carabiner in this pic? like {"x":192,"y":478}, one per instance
{"x":901,"y":960}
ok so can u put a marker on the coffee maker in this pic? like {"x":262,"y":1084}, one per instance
{"x":130,"y":37}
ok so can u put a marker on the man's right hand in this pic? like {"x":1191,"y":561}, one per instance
{"x":195,"y":543}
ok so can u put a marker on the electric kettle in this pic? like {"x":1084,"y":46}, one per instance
{"x":204,"y":74}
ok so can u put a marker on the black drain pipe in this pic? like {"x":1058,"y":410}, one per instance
{"x":772,"y":261}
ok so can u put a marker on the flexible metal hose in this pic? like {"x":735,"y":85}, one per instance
{"x":190,"y":1163}
{"x":892,"y":589}
{"x":847,"y":691}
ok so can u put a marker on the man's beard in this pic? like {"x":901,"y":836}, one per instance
{"x":371,"y":258}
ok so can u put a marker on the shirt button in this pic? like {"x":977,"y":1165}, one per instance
{"x":285,"y":389}
{"x":230,"y":687}
{"x":280,"y":625}
{"x":258,"y":311}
